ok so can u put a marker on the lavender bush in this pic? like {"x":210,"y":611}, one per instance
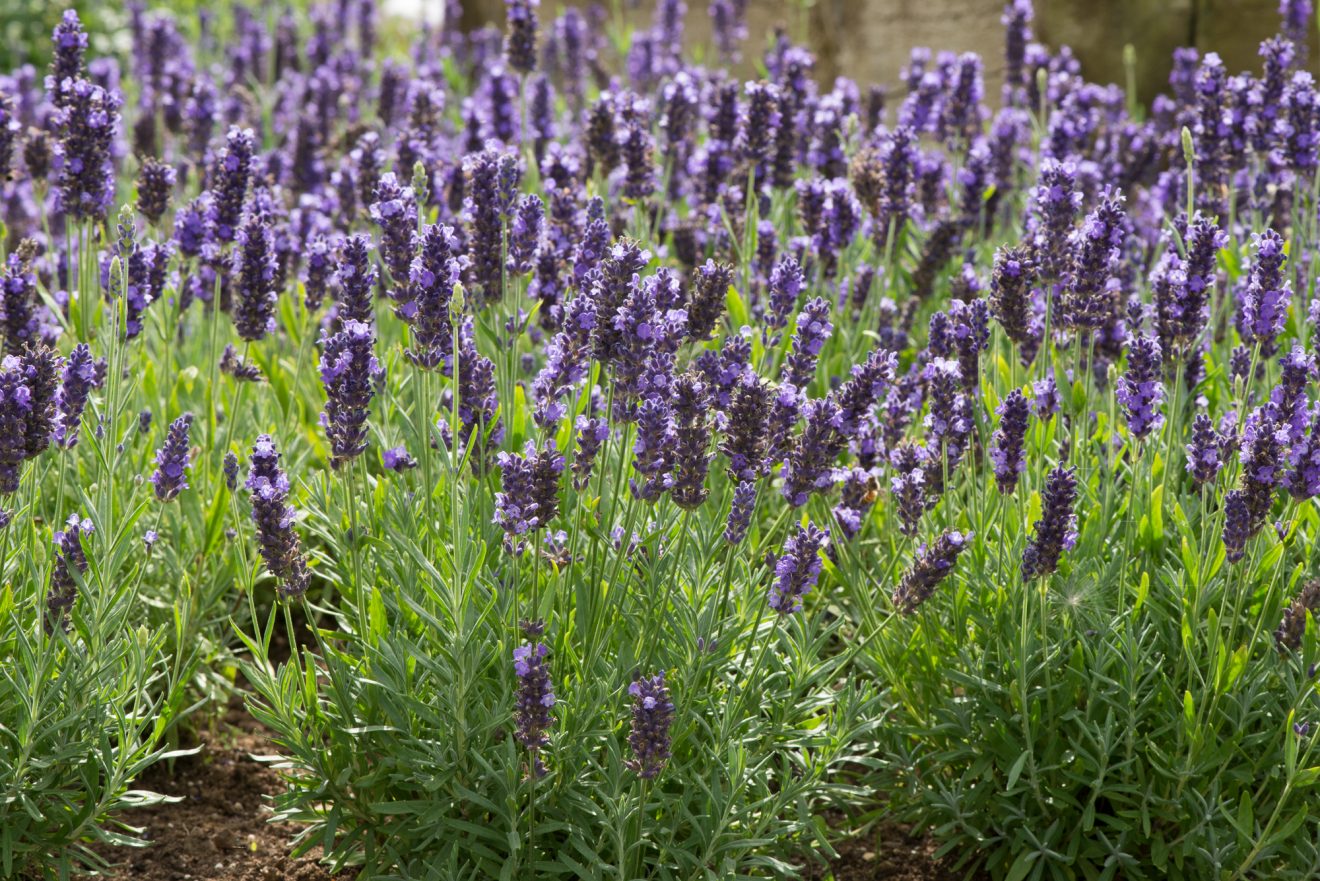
{"x":663,"y":459}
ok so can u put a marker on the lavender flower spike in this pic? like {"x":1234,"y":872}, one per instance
{"x":1141,"y":388}
{"x":1056,"y":530}
{"x":1006,"y":454}
{"x":797,"y":569}
{"x":69,"y":559}
{"x":171,"y":475}
{"x":534,"y":702}
{"x":349,"y":372}
{"x":276,"y":537}
{"x":933,"y":563}
{"x":653,"y":713}
{"x":79,"y":378}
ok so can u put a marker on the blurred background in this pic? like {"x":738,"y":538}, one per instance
{"x":868,"y":40}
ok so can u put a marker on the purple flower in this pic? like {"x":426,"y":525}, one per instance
{"x":1056,"y":201}
{"x":16,"y":405}
{"x":1265,"y":303}
{"x":230,"y":469}
{"x":1141,"y":388}
{"x":591,"y":434}
{"x":1090,"y":293}
{"x":398,"y":459}
{"x":66,"y":64}
{"x":357,"y":278}
{"x":745,"y":433}
{"x":525,"y":233}
{"x":932,"y":564}
{"x":809,"y":336}
{"x":1006,"y":454}
{"x":491,"y":179}
{"x":786,"y":284}
{"x":691,"y":449}
{"x":276,"y":538}
{"x":350,"y":373}
{"x":705,"y":308}
{"x":520,"y":36}
{"x":1288,"y":636}
{"x":809,"y":466}
{"x":171,"y":475}
{"x":740,"y":514}
{"x":87,"y":123}
{"x":1303,"y":478}
{"x":533,"y":704}
{"x":653,"y":451}
{"x":1010,"y":299}
{"x":797,"y":568}
{"x":318,"y":270}
{"x":855,"y":500}
{"x":530,"y":483}
{"x":435,"y":272}
{"x":234,"y":365}
{"x":1045,"y":401}
{"x":394,"y":209}
{"x":1203,"y":453}
{"x":255,"y":266}
{"x":155,"y":183}
{"x":229,"y":190}
{"x":67,"y":572}
{"x":653,"y":713}
{"x":1056,"y":530}
{"x":78,"y":380}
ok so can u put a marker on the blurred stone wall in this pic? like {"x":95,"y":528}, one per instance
{"x":869,"y":40}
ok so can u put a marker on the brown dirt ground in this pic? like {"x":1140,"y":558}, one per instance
{"x":220,"y":830}
{"x":889,"y":853}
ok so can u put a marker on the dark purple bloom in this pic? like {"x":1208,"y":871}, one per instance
{"x":394,"y":209}
{"x":398,"y":459}
{"x":66,"y":64}
{"x":171,"y":475}
{"x":692,"y":446}
{"x":740,"y":514}
{"x":653,"y":713}
{"x":1203,"y":453}
{"x":1090,"y":297}
{"x":797,"y":568}
{"x":79,"y":378}
{"x":274,"y":518}
{"x":809,"y":336}
{"x":525,"y":233}
{"x":357,"y":278}
{"x":1303,"y":477}
{"x":230,"y":186}
{"x":255,"y":266}
{"x":710,"y":288}
{"x":1141,"y":388}
{"x":1045,"y":401}
{"x":230,"y":470}
{"x":1056,"y":201}
{"x":653,"y":451}
{"x":1265,"y":303}
{"x":530,"y":483}
{"x":87,"y":123}
{"x":745,"y":434}
{"x":318,"y":270}
{"x":16,"y":406}
{"x":786,"y":284}
{"x":1006,"y":454}
{"x":68,"y":570}
{"x":591,"y":434}
{"x":350,"y":373}
{"x":932,"y":564}
{"x":1010,"y":298}
{"x":491,"y":179}
{"x":1288,"y":636}
{"x":809,"y":466}
{"x":520,"y":35}
{"x":855,"y":500}
{"x":436,"y":270}
{"x":155,"y":183}
{"x":534,"y":702}
{"x":1056,"y":530}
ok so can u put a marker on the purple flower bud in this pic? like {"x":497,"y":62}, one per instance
{"x":1056,"y":530}
{"x":87,"y":122}
{"x":255,"y":267}
{"x":530,"y":483}
{"x":1203,"y":453}
{"x":350,"y":374}
{"x":533,"y":704}
{"x":155,"y":183}
{"x":740,"y":514}
{"x":710,"y":288}
{"x":231,"y":174}
{"x":809,"y":336}
{"x":1141,"y":388}
{"x":276,"y":538}
{"x":1265,"y":303}
{"x":932,"y":564}
{"x":797,"y":569}
{"x":653,"y":713}
{"x":1288,"y":636}
{"x":520,"y":36}
{"x":230,"y":469}
{"x":171,"y":475}
{"x":66,"y":573}
{"x":1006,"y":454}
{"x":398,"y":459}
{"x":691,"y":449}
{"x":394,"y":209}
